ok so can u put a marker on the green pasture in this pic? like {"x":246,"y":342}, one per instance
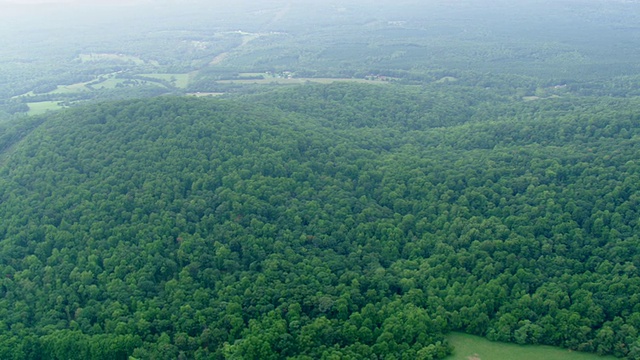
{"x":110,"y":83}
{"x":205,"y":94}
{"x":533,"y":97}
{"x":181,"y":80}
{"x":447,"y":79}
{"x":255,"y":74}
{"x":68,"y":89}
{"x":36,"y":108}
{"x":295,"y":81}
{"x":469,"y":347}
{"x":110,"y":57}
{"x":61,"y":89}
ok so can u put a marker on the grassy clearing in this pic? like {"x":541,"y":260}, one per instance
{"x":447,"y":79}
{"x":469,"y":347}
{"x":36,"y":108}
{"x":253,"y":75}
{"x":61,"y":89}
{"x":179,"y":80}
{"x":282,"y":81}
{"x":533,"y":98}
{"x":205,"y":94}
{"x":68,"y":89}
{"x":110,"y":57}
{"x":110,"y":83}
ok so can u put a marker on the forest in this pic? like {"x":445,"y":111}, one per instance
{"x":342,"y":221}
{"x":318,"y":180}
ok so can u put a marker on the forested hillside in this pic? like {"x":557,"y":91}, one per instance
{"x":320,"y":222}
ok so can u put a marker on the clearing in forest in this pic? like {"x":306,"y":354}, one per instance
{"x":469,"y":347}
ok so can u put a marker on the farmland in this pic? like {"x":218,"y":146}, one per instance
{"x":36,"y":108}
{"x":469,"y":347}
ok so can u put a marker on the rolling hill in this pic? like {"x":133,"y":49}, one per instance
{"x":320,"y":221}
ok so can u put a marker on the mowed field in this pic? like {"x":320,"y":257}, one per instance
{"x":294,"y":81}
{"x":110,"y":57}
{"x":179,"y":80}
{"x":36,"y":108}
{"x":469,"y":347}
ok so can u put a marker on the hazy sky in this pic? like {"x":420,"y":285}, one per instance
{"x":18,"y":15}
{"x":30,"y":3}
{"x":35,"y":2}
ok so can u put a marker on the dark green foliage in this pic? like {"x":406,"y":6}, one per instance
{"x":14,"y":131}
{"x":340,"y":221}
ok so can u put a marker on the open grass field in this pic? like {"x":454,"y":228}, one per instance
{"x":181,"y":80}
{"x":447,"y":79}
{"x":68,"y":89}
{"x":205,"y":94}
{"x":255,"y":74}
{"x":41,"y":107}
{"x":109,"y":83}
{"x":110,"y":57}
{"x":283,"y":81}
{"x":469,"y":347}
{"x":61,"y":89}
{"x":533,"y":98}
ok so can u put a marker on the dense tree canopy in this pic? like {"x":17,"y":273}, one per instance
{"x":320,"y":222}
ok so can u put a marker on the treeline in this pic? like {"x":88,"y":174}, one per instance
{"x":322,"y":221}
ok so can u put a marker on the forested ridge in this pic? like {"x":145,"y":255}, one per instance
{"x":334,"y":221}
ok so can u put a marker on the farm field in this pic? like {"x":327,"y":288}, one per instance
{"x":205,"y":94}
{"x":106,"y":81}
{"x":73,"y":88}
{"x":36,"y":108}
{"x":63,"y":89}
{"x":470,"y":347}
{"x":110,"y":57}
{"x":180,"y":80}
{"x":294,"y":81}
{"x":110,"y":83}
